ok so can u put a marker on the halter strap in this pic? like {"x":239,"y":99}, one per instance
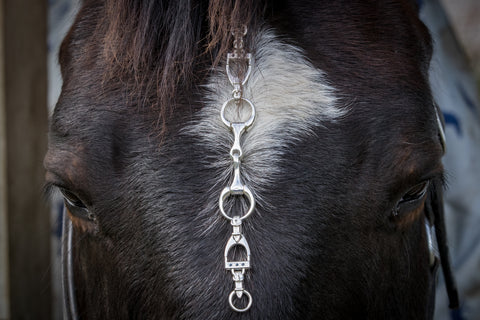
{"x":68,"y":284}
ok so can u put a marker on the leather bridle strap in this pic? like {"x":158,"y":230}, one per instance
{"x":68,"y":285}
{"x":438,"y":211}
{"x":440,"y":232}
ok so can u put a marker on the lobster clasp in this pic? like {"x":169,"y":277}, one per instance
{"x":237,"y":239}
{"x":233,"y":58}
{"x":238,"y":267}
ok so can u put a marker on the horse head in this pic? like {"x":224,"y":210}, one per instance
{"x":339,"y":169}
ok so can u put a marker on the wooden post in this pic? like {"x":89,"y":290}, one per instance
{"x":4,"y":285}
{"x":23,"y":213}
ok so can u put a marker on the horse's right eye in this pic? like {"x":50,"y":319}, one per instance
{"x":71,"y":199}
{"x":76,"y":206}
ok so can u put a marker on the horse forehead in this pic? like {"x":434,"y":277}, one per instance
{"x":291,"y":96}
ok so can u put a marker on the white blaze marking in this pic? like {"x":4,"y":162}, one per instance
{"x":291,"y":98}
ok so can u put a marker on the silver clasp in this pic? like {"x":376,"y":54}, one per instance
{"x":238,"y":267}
{"x":237,"y":239}
{"x":236,"y":82}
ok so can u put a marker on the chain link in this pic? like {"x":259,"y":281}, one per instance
{"x":238,"y":80}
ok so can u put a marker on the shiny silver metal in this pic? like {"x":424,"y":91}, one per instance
{"x":433,"y":253}
{"x":238,"y":128}
{"x":237,"y":187}
{"x":242,"y":126}
{"x":232,"y":295}
{"x":234,"y":79}
{"x":240,"y":190}
{"x":237,"y":240}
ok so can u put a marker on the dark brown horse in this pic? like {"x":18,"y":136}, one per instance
{"x":335,"y":183}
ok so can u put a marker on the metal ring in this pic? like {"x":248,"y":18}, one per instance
{"x":247,"y":123}
{"x":230,"y":300}
{"x":227,"y":192}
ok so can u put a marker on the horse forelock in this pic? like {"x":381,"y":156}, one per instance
{"x":162,"y":45}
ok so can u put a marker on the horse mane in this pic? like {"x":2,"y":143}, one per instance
{"x":159,"y":44}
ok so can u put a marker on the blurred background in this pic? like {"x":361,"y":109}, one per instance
{"x":30,"y":228}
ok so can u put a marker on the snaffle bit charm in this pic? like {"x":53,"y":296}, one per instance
{"x":237,"y":187}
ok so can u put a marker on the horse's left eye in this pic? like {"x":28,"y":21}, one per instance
{"x":415,"y":193}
